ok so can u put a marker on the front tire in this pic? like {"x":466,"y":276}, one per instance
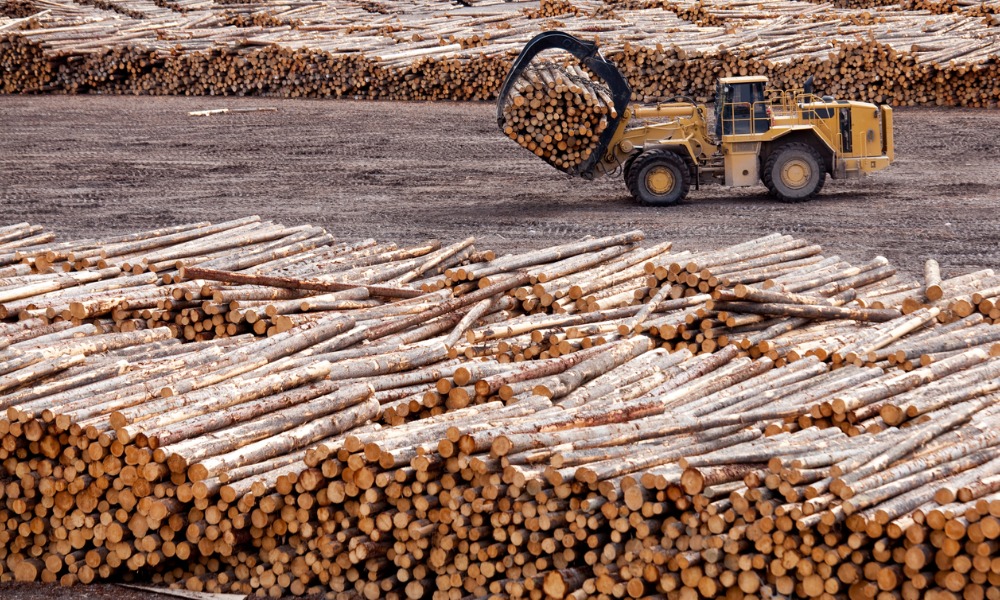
{"x":794,"y":173}
{"x":658,"y":178}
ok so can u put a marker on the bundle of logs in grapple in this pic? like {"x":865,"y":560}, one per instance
{"x":429,"y":425}
{"x":557,"y":112}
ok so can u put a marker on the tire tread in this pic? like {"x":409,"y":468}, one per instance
{"x":772,"y":159}
{"x":653,"y":156}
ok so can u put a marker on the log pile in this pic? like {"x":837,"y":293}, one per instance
{"x":427,"y":50}
{"x":135,"y":282}
{"x":552,"y":8}
{"x":392,"y":443}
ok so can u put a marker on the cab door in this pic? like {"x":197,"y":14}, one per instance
{"x":743,"y":109}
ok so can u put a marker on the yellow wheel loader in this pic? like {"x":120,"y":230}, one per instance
{"x":789,"y":140}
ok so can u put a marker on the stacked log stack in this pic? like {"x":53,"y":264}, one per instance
{"x":917,"y":53}
{"x":558,"y":112}
{"x":737,"y":422}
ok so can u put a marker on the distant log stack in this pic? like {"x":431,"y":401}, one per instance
{"x":552,"y":8}
{"x":966,"y":7}
{"x":424,"y":50}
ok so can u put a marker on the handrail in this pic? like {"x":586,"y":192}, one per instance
{"x":732,"y":123}
{"x":791,"y":104}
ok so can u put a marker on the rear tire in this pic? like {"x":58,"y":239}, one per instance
{"x":794,"y":173}
{"x":658,"y":178}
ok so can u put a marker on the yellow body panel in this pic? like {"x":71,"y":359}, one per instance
{"x":887,"y":139}
{"x":855,"y":136}
{"x":682,"y":125}
{"x":741,"y":164}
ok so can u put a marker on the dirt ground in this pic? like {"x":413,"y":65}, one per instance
{"x":93,"y":166}
{"x":97,"y":166}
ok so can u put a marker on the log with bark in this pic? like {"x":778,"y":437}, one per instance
{"x":362,"y":452}
{"x":857,"y":49}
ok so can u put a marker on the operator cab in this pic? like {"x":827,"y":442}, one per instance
{"x":740,"y":106}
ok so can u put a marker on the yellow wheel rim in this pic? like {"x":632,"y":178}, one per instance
{"x":796,"y":173}
{"x":659,"y":180}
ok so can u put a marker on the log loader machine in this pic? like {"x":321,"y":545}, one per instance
{"x":789,"y":140}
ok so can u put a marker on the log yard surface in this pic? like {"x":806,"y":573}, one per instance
{"x":345,"y":339}
{"x":406,"y":172}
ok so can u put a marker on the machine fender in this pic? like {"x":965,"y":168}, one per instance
{"x":681,"y":147}
{"x":802,"y":134}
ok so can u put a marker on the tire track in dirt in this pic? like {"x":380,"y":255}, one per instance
{"x":94,"y":166}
